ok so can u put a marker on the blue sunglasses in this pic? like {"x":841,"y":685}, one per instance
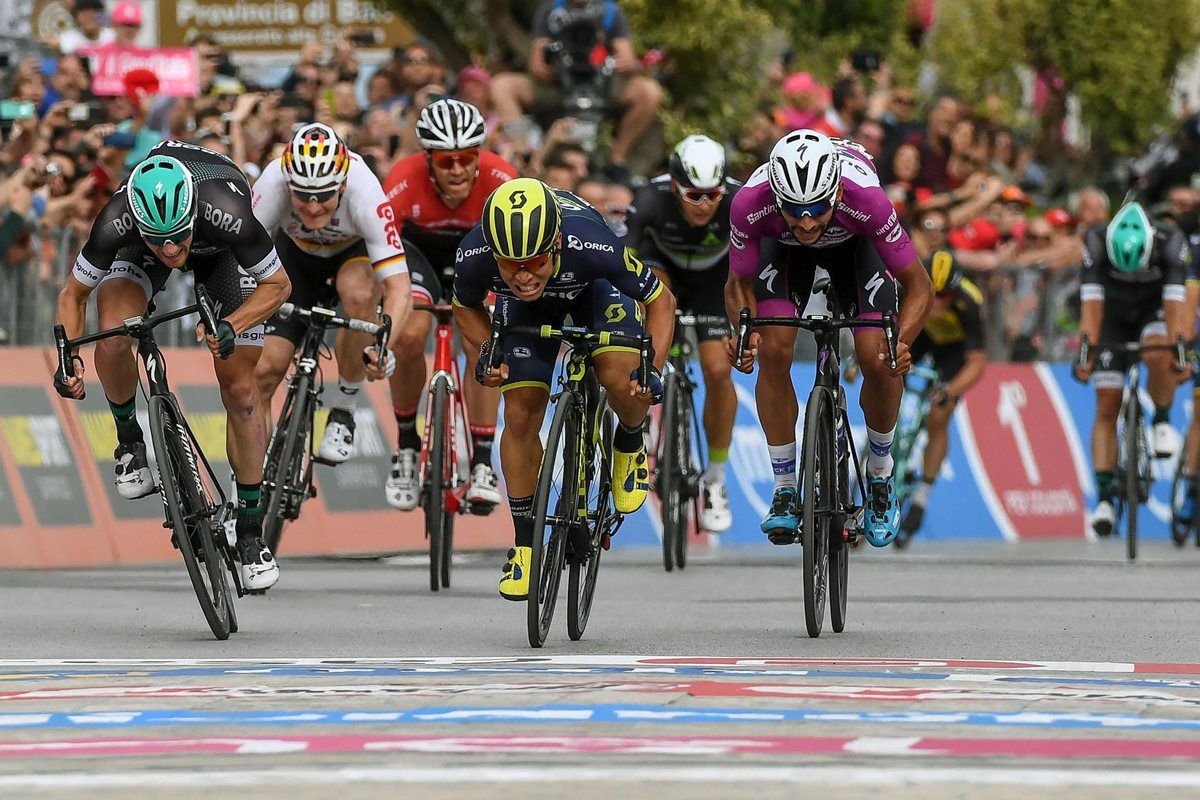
{"x":805,"y":209}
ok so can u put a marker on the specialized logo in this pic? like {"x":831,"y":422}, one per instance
{"x":235,"y":188}
{"x":873,"y":286}
{"x":575,"y":243}
{"x":769,"y":274}
{"x":222,"y":219}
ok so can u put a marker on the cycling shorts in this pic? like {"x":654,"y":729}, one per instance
{"x":860,"y":279}
{"x":700,"y":292}
{"x":1124,"y":323}
{"x":428,"y":286}
{"x":948,"y":359}
{"x":314,"y":282}
{"x":227,"y":283}
{"x":531,"y":359}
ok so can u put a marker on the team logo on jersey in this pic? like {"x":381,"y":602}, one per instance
{"x":222,"y":219}
{"x":575,"y":243}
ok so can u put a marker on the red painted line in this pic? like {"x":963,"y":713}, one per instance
{"x":684,"y":746}
{"x":1175,"y":669}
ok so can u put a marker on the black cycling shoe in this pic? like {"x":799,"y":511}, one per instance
{"x":909,"y":525}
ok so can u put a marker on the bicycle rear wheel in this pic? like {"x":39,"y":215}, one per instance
{"x":447,"y":547}
{"x":686,"y":483}
{"x":1181,"y":485}
{"x":554,"y":509}
{"x":188,"y":513}
{"x":434,"y":492}
{"x":583,"y":571}
{"x":1134,"y":444}
{"x":839,"y":548}
{"x":285,"y":465}
{"x":818,"y":504}
{"x":667,"y":483}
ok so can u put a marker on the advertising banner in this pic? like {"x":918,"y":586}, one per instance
{"x":176,"y":68}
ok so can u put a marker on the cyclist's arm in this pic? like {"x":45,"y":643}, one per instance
{"x":1178,"y":257}
{"x":969,"y":375}
{"x":660,"y":324}
{"x":72,"y":306}
{"x":108,"y":235}
{"x":375,"y":221}
{"x":474,"y":324}
{"x":397,"y":303}
{"x":917,"y":298}
{"x":1091,"y":285}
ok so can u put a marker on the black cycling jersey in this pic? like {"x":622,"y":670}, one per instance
{"x":660,"y":236}
{"x":224,"y":223}
{"x":590,"y":253}
{"x":1163,"y":278}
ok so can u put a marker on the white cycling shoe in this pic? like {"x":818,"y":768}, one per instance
{"x":259,"y":569}
{"x":338,"y":444}
{"x":483,"y":489}
{"x":1103,"y":518}
{"x":1166,"y":440}
{"x":716,"y":516}
{"x":133,"y":476}
{"x":403,"y":486}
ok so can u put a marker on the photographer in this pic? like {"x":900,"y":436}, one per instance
{"x":576,"y":33}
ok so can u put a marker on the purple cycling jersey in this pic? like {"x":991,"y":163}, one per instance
{"x":865,"y":210}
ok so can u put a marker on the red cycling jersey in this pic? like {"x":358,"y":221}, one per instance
{"x":424,"y":218}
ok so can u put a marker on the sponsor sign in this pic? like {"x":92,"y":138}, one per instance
{"x":45,"y":459}
{"x":176,"y":68}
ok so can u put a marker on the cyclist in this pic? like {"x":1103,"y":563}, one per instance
{"x":547,"y":254}
{"x":437,"y":197}
{"x":680,"y":228}
{"x":953,"y":337}
{"x":1187,"y":506}
{"x":1131,"y":289}
{"x":334,"y":226}
{"x":183,"y":208}
{"x":817,"y":202}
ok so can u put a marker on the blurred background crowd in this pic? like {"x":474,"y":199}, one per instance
{"x":1007,"y":165}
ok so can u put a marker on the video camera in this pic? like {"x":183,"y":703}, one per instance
{"x":576,"y":28}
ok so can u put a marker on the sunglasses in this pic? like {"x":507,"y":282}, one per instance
{"x":447,"y":159}
{"x":305,"y":196}
{"x":806,"y":209}
{"x":529,"y":264}
{"x":171,"y":238}
{"x":698,"y":196}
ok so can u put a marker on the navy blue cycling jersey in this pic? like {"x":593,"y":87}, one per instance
{"x":590,"y":252}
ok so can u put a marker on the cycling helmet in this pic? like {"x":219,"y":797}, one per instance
{"x":804,"y":168}
{"x":943,"y":270}
{"x":316,"y":160}
{"x":698,"y":163}
{"x":450,"y":124}
{"x":162,"y":198}
{"x":521,"y":219}
{"x":1129,"y":238}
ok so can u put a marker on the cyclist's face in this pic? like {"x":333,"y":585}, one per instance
{"x":454,"y":171}
{"x":172,"y":254}
{"x":316,"y":210}
{"x":528,"y":278}
{"x":698,"y":207}
{"x":808,"y":230}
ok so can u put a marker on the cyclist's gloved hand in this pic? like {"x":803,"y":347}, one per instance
{"x":75,"y":391}
{"x":223,"y":342}
{"x":370,"y":358}
{"x":655,"y":387}
{"x":482,"y":363}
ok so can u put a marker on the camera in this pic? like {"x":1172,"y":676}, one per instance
{"x":866,"y":60}
{"x":86,"y":115}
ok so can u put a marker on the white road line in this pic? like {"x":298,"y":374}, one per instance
{"x":91,"y":781}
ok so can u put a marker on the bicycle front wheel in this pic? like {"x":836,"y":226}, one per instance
{"x":188,"y":513}
{"x":1181,"y":486}
{"x":818,"y":487}
{"x":585,"y":567}
{"x":554,"y":509}
{"x":667,"y":484}
{"x":1134,"y":447}
{"x":434,"y":493}
{"x":284,"y":469}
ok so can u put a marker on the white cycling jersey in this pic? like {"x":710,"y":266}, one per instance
{"x":364,"y":213}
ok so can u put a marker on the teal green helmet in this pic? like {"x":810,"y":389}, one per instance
{"x":162,"y":197}
{"x":1129,"y":238}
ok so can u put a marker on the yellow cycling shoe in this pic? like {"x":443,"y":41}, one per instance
{"x":631,"y":480}
{"x":515,"y":583}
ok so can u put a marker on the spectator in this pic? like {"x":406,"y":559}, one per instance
{"x":382,"y":91}
{"x":126,"y":19}
{"x":870,"y":134}
{"x":345,"y":103}
{"x":898,"y":118}
{"x":804,"y":101}
{"x":967,"y":156}
{"x":474,"y":85}
{"x":1008,"y":161}
{"x":1182,"y":201}
{"x":934,"y":143}
{"x":638,"y":96}
{"x":69,"y":81}
{"x":564,"y":165}
{"x":417,"y":70}
{"x":594,"y":191}
{"x":88,"y":30}
{"x":847,"y":109}
{"x":306,"y":70}
{"x":903,"y":172}
{"x":929,"y":232}
{"x":1089,"y":207}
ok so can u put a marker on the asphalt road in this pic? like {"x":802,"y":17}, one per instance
{"x":972,"y":670}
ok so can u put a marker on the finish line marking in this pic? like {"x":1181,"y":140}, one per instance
{"x":1040,"y":748}
{"x":734,"y":774}
{"x":683,"y":661}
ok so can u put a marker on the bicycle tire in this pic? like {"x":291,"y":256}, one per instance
{"x":182,"y":497}
{"x":447,"y":547}
{"x":1181,"y":530}
{"x":819,"y":464}
{"x":1133,"y":422}
{"x":581,"y":576}
{"x":686,"y":473}
{"x":287,"y":472}
{"x":549,"y":551}
{"x":434,"y":493}
{"x":667,"y":483}
{"x":839,"y":548}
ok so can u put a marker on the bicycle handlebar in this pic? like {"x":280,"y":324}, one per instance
{"x":328,"y":318}
{"x":747,"y":323}
{"x":1131,"y":348}
{"x":574,"y":335}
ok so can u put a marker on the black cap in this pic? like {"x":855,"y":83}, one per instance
{"x":85,"y":5}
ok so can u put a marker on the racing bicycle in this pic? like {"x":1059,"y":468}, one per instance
{"x":288,"y":467}
{"x":831,"y":517}
{"x":910,"y":424}
{"x":194,"y":504}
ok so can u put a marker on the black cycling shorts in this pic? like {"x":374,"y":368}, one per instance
{"x":428,"y":286}
{"x":1124,"y":322}
{"x":860,"y":279}
{"x":702,"y":293}
{"x":313,"y":280}
{"x":948,"y":359}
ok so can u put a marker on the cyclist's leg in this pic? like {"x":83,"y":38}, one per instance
{"x":526,"y":390}
{"x":1161,"y":384}
{"x":246,"y":431}
{"x":483,"y":404}
{"x":359,"y":294}
{"x":948,"y":361}
{"x":125,"y":292}
{"x":1109,"y":380}
{"x":1187,"y":510}
{"x":868,"y":291}
{"x":282,"y":337}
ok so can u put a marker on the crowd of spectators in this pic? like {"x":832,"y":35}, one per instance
{"x":957,"y":175}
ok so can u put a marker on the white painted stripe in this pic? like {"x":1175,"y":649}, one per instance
{"x":840,"y":775}
{"x":962,"y":423}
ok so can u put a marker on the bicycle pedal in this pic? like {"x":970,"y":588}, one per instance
{"x":318,"y":460}
{"x":480,"y":509}
{"x":782,"y":537}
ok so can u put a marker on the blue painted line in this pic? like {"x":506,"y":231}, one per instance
{"x":583,"y":713}
{"x":715,"y":672}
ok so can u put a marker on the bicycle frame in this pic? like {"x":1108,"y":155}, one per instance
{"x":446,"y":370}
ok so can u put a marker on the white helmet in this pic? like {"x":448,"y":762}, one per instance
{"x":450,"y":124}
{"x":316,"y":160}
{"x":698,"y":163}
{"x":805,"y":167}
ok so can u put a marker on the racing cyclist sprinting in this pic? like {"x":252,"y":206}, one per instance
{"x":548,"y":255}
{"x":183,"y":208}
{"x":332,"y":223}
{"x":1131,"y":289}
{"x":438,"y":196}
{"x":818,"y":202}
